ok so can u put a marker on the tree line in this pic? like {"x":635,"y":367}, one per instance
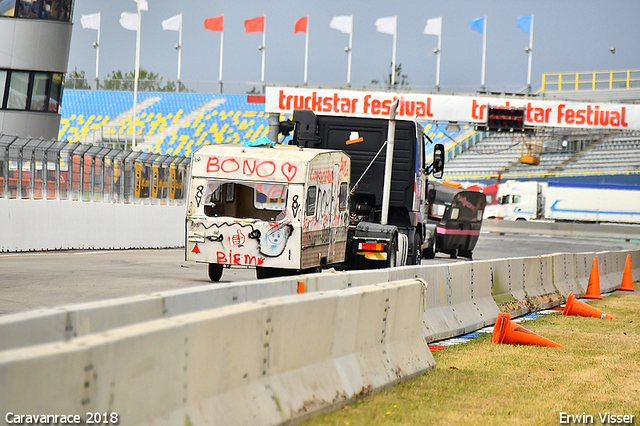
{"x":117,"y":80}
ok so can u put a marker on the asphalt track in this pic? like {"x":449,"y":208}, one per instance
{"x":36,"y":280}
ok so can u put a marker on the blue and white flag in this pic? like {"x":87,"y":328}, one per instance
{"x":524,"y":23}
{"x":477,"y":25}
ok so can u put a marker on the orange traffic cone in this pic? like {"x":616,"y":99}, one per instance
{"x":627,"y":279}
{"x":301,"y":287}
{"x":509,"y":332}
{"x":574,"y":307}
{"x":593,"y":288}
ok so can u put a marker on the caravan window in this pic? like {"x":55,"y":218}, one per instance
{"x":244,"y":199}
{"x":343,"y":196}
{"x":311,"y":200}
{"x":270,"y":197}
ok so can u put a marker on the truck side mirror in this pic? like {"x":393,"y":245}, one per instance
{"x":438,"y":160}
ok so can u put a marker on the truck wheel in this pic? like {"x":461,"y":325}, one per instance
{"x":429,"y":252}
{"x":264,"y":273}
{"x":466,"y":253}
{"x":392,"y":252}
{"x":416,"y":257}
{"x":215,"y":272}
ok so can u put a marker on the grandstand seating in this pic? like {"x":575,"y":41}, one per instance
{"x":178,"y":123}
{"x":86,"y":110}
{"x":190,"y":119}
{"x":500,"y":154}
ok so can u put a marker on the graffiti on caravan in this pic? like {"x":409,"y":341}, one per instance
{"x":262,"y":169}
{"x":369,"y":104}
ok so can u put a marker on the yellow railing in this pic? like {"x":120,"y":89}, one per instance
{"x":540,"y":175}
{"x":590,"y":80}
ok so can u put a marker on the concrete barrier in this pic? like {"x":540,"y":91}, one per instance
{"x":565,"y":276}
{"x":65,"y":225}
{"x":538,"y":283}
{"x":297,"y":356}
{"x":508,"y":286}
{"x":462,"y":297}
{"x":66,"y":322}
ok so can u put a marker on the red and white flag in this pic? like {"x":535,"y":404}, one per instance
{"x":91,"y":21}
{"x":129,"y":21}
{"x":387,"y":25}
{"x":343,"y":24}
{"x":434,"y":26}
{"x":255,"y":25}
{"x":172,"y":24}
{"x":143,"y":6}
{"x":214,"y":24}
{"x":301,"y":25}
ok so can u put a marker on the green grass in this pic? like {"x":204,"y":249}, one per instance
{"x":481,"y":383}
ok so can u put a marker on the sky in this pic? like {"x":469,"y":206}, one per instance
{"x":568,"y":36}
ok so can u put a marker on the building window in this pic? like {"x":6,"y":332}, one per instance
{"x":18,"y":90}
{"x":7,"y":7}
{"x":29,"y":9}
{"x":33,"y":91}
{"x":39,"y":92}
{"x":3,"y":85}
{"x":55,"y":10}
{"x":56,"y":93}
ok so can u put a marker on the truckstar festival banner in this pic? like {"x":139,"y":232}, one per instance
{"x":460,"y":108}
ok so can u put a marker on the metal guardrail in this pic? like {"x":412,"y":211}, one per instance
{"x":58,"y":170}
{"x":590,"y":80}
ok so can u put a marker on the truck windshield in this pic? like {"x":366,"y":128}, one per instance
{"x":244,"y":199}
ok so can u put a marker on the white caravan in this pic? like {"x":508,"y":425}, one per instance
{"x":280,"y":209}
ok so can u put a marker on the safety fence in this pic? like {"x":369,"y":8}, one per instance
{"x":58,"y":170}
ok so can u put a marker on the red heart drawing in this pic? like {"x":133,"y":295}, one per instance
{"x":289,"y":171}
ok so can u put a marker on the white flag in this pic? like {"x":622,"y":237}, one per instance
{"x":434,"y":26}
{"x":342,"y":23}
{"x":91,"y":22}
{"x":129,"y":21}
{"x":172,"y":24}
{"x":143,"y":6}
{"x":387,"y":25}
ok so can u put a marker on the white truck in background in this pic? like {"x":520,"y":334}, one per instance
{"x":569,"y":201}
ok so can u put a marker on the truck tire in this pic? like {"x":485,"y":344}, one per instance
{"x":263,"y":273}
{"x":416,"y":256}
{"x":466,"y":253}
{"x":429,"y":252}
{"x":392,"y":252}
{"x":215,"y":272}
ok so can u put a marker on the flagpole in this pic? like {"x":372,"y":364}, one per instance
{"x":264,"y":44}
{"x":438,"y":59}
{"x":484,"y":52}
{"x":306,"y":52}
{"x":137,"y":75}
{"x":530,"y":55}
{"x":349,"y":54}
{"x":179,"y":47}
{"x":393,"y":54}
{"x":97,"y":46}
{"x":221,"y":48}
